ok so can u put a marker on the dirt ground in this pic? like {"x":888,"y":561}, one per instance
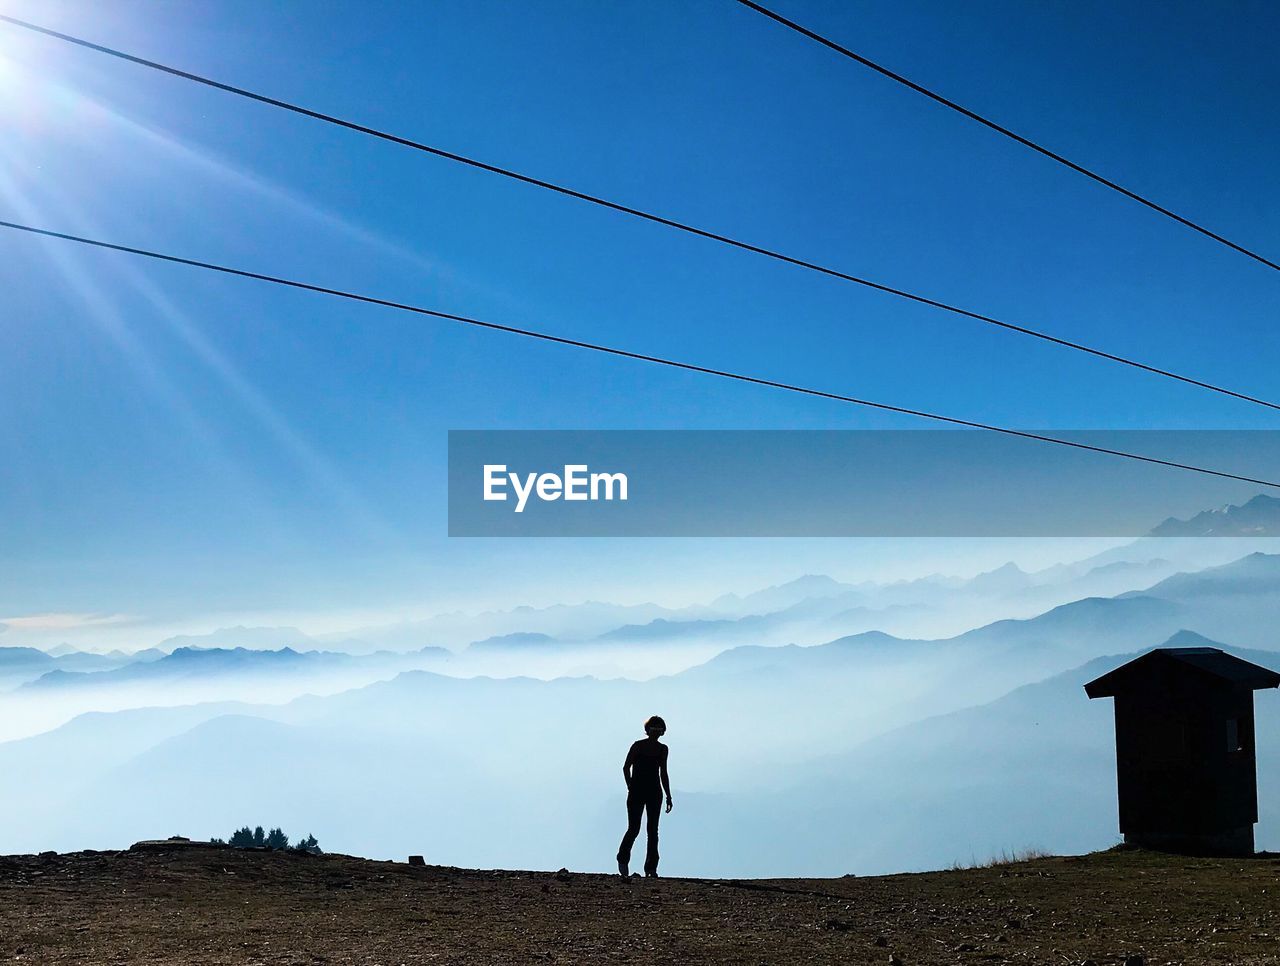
{"x":207,"y":905}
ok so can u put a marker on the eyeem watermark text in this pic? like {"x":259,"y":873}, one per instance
{"x":576,"y":483}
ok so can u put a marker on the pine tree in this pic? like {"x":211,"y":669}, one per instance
{"x":309,"y":844}
{"x":257,"y":838}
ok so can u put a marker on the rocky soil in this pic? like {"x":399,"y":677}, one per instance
{"x":219,"y":905}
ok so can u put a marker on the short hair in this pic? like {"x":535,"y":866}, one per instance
{"x":655,"y":722}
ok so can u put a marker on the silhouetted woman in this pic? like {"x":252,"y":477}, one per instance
{"x":646,"y":773}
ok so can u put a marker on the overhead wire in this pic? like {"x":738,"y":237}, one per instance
{"x":1001,"y":129}
{"x":627,"y":353}
{"x":649,"y":216}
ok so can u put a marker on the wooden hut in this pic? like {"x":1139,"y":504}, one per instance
{"x":1185,"y":763}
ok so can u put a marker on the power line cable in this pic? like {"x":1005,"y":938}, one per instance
{"x":647,"y":216}
{"x":623,"y":353}
{"x":1001,"y":129}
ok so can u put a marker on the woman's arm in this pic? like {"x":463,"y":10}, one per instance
{"x":666,"y":779}
{"x":628,"y":765}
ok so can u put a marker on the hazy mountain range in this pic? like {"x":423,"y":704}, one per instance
{"x":236,"y":663}
{"x":864,"y":754}
{"x":872,"y":751}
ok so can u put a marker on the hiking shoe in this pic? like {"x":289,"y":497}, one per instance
{"x":622,"y":868}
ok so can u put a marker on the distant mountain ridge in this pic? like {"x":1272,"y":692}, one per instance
{"x":516,"y":641}
{"x":781,"y":596}
{"x":19,"y":664}
{"x":241,"y":637}
{"x":204,"y":664}
{"x":1259,"y":517}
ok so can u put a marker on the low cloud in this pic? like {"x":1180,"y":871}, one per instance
{"x":61,"y":621}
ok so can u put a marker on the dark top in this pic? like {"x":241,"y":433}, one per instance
{"x":646,"y":766}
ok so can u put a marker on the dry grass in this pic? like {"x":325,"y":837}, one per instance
{"x":1004,"y":858}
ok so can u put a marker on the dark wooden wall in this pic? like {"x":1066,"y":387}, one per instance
{"x":1176,"y":771}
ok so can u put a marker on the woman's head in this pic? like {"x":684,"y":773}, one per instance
{"x":655,"y":727}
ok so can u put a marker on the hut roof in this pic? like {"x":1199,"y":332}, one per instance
{"x":1210,"y":661}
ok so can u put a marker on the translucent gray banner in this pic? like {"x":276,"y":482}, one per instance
{"x":701,"y":483}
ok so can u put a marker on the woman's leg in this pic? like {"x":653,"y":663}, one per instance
{"x":635,"y":808}
{"x":654,"y":808}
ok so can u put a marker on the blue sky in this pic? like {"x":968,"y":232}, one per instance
{"x":179,"y":444}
